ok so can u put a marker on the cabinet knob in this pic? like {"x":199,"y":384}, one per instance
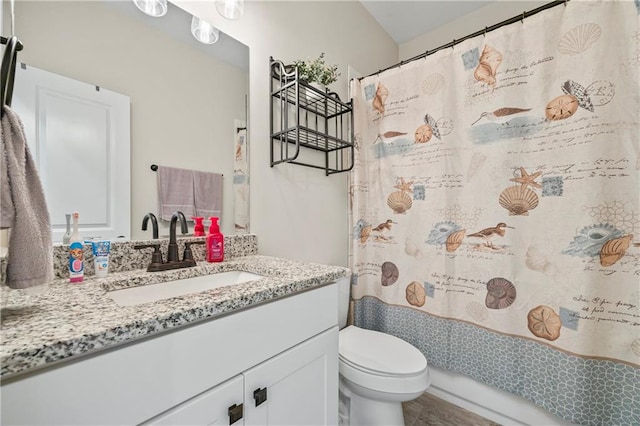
{"x":260,"y":395}
{"x":235,"y":413}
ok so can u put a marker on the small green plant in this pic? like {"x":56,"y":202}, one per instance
{"x":317,"y":71}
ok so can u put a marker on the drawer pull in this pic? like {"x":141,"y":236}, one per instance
{"x":260,"y":395}
{"x":235,"y":413}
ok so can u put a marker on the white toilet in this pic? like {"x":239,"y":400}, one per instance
{"x":377,"y":373}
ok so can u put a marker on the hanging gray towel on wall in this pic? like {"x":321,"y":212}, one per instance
{"x":208,"y":193}
{"x":194,"y":193}
{"x":175,"y":192}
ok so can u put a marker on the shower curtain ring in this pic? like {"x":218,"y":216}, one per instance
{"x":453,"y":43}
{"x":523,"y":16}
{"x":484,"y":34}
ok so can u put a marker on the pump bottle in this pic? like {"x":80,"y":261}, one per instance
{"x":215,"y":242}
{"x":198,"y":228}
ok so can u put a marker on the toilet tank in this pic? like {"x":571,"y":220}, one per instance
{"x":344,"y":291}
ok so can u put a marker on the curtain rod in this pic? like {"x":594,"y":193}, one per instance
{"x":509,"y":21}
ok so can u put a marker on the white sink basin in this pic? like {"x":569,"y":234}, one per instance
{"x":161,"y":291}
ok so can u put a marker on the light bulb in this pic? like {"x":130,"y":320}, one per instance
{"x":203,"y":31}
{"x":155,"y":8}
{"x":230,"y":9}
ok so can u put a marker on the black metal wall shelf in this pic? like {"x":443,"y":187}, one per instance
{"x":305,"y":116}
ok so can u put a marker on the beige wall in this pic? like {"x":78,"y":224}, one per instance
{"x":477,"y":20}
{"x":187,"y":123}
{"x":298,"y":212}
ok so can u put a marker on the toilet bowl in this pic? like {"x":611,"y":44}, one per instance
{"x":377,"y":373}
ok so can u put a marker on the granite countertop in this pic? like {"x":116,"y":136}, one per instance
{"x":66,"y":320}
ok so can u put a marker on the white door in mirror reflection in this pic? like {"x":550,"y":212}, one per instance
{"x":79,"y":136}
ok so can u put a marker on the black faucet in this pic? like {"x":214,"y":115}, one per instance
{"x":154,"y":224}
{"x":172,"y":254}
{"x":173,"y":261}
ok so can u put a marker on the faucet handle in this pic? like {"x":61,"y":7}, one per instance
{"x":188,"y":254}
{"x":156,"y":257}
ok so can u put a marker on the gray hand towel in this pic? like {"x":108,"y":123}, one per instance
{"x":207,"y":188}
{"x":24,"y":210}
{"x":175,"y":192}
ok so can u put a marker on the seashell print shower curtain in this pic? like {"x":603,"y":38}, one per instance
{"x":495,"y":206}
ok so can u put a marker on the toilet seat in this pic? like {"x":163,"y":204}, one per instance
{"x":381,"y":362}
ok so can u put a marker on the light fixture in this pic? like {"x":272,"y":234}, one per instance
{"x":155,"y":8}
{"x":203,"y":31}
{"x":230,"y":9}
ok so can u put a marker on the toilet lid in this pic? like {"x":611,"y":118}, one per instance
{"x":380,"y":352}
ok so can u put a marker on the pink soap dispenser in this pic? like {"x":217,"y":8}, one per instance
{"x":215,"y":242}
{"x":198,"y":228}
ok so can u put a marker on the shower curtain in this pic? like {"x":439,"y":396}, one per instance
{"x":240,"y":178}
{"x":495,"y":208}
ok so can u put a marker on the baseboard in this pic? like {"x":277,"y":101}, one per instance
{"x":489,"y":402}
{"x":473,"y":407}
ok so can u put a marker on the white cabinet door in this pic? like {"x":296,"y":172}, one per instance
{"x":301,"y":385}
{"x":213,"y":407}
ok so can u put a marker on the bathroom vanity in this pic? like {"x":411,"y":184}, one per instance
{"x":260,"y":352}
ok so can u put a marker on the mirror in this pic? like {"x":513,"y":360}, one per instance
{"x":186,"y":98}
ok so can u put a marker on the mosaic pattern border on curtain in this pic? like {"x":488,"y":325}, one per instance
{"x":583,"y":391}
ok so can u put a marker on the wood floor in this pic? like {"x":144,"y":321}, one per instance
{"x":432,"y":411}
